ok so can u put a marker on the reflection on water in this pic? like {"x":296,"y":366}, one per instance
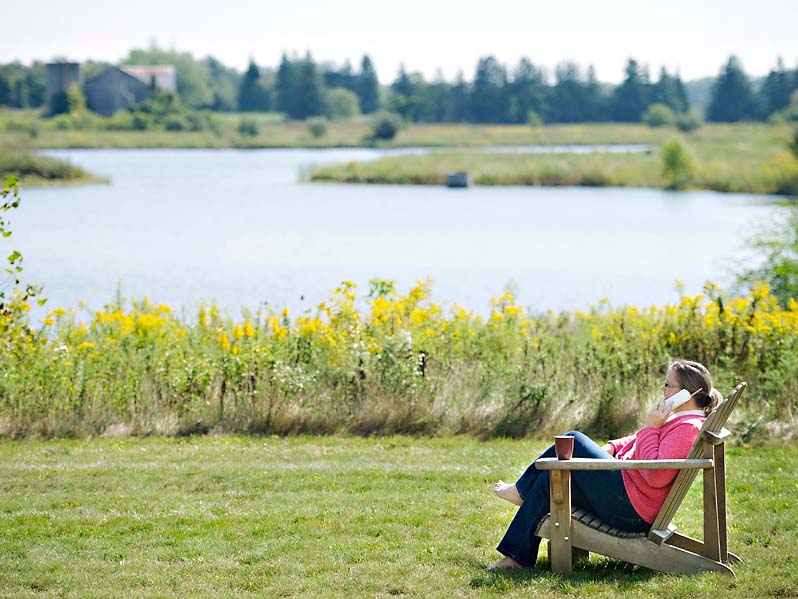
{"x":236,"y":226}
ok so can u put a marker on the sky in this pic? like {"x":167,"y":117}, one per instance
{"x":691,"y":37}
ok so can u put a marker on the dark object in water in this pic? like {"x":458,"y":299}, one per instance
{"x":460,"y":179}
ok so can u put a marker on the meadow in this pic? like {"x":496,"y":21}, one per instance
{"x":334,"y":517}
{"x":743,"y":158}
{"x":386,"y":362}
{"x":738,"y":157}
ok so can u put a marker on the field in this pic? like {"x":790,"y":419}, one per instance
{"x":332,"y":517}
{"x":388,"y":362}
{"x":732,"y":158}
{"x":742,"y":157}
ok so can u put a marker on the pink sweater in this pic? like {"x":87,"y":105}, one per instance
{"x":647,"y":489}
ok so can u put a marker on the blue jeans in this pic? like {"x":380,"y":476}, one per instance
{"x":601,"y":492}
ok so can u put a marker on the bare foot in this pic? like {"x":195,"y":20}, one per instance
{"x":505,"y":563}
{"x":508,"y":492}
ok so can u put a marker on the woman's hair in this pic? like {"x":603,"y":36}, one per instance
{"x":696,"y":378}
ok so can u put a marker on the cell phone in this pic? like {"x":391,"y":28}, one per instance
{"x":677,"y":399}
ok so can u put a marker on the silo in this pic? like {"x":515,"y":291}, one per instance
{"x":60,"y":76}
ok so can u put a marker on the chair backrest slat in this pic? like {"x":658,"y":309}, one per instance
{"x":681,"y":485}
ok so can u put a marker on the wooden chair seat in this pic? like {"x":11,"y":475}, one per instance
{"x":592,"y":521}
{"x":661,"y":548}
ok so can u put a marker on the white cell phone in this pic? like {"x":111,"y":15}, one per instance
{"x":677,"y":399}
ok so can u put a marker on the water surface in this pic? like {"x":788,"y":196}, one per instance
{"x":238,"y":227}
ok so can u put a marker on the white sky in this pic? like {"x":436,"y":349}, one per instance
{"x":694,"y":36}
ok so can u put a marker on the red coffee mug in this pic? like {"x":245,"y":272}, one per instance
{"x":564,"y":447}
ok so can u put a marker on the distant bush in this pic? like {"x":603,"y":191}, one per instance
{"x":777,"y":245}
{"x":23,"y":166}
{"x":678,"y":164}
{"x":687,"y":123}
{"x":122,"y":120}
{"x":533,"y":119}
{"x":317,"y":126}
{"x":176,"y":122}
{"x":79,"y":120}
{"x":342,"y":104}
{"x":165,"y":111}
{"x":785,"y":115}
{"x":386,"y":125}
{"x":248,"y":128}
{"x":659,"y":115}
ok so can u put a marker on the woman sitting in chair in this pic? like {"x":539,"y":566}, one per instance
{"x":624,"y":499}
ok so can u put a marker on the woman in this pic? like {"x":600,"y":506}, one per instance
{"x":624,"y":499}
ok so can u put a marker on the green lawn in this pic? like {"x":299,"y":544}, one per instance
{"x":330,"y":517}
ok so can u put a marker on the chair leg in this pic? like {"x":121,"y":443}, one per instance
{"x":711,"y":527}
{"x":560,"y":543}
{"x":719,"y":455}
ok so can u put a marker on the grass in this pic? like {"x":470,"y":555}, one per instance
{"x":332,"y":517}
{"x":741,"y":157}
{"x":34,"y":170}
{"x":747,"y":158}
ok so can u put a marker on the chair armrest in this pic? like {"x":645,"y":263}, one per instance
{"x":613,"y":464}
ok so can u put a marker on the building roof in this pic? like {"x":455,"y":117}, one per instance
{"x":165,"y":75}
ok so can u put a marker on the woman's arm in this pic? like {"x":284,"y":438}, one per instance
{"x":609,"y":448}
{"x":655,"y":444}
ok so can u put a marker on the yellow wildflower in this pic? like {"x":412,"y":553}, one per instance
{"x":249,"y":331}
{"x":224,"y":342}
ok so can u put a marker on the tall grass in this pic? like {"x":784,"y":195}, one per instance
{"x":34,"y":169}
{"x":731,"y":158}
{"x":400,"y":364}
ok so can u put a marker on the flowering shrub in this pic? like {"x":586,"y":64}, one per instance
{"x":402,"y":363}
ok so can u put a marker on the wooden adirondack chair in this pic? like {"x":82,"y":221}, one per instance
{"x":662,"y":548}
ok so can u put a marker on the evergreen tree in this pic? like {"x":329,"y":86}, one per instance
{"x":459,"y":100}
{"x":249,"y":94}
{"x":404,"y":97}
{"x":632,"y":97}
{"x":36,"y":82}
{"x":670,"y":92}
{"x":342,"y":78}
{"x":433,"y":105}
{"x":733,"y":97}
{"x":569,"y":95}
{"x":489,"y":97}
{"x":595,"y":99}
{"x":309,"y":100}
{"x":286,"y":86}
{"x":225,"y":84}
{"x":528,"y":91}
{"x":681,"y":94}
{"x":6,"y":96}
{"x":21,"y":93}
{"x":368,"y":87}
{"x":776,"y":89}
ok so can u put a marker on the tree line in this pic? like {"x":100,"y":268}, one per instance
{"x":301,"y":88}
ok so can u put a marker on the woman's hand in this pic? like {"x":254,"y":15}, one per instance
{"x":656,"y":416}
{"x":609,"y":449}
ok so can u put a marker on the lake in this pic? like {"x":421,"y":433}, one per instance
{"x":239,"y":227}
